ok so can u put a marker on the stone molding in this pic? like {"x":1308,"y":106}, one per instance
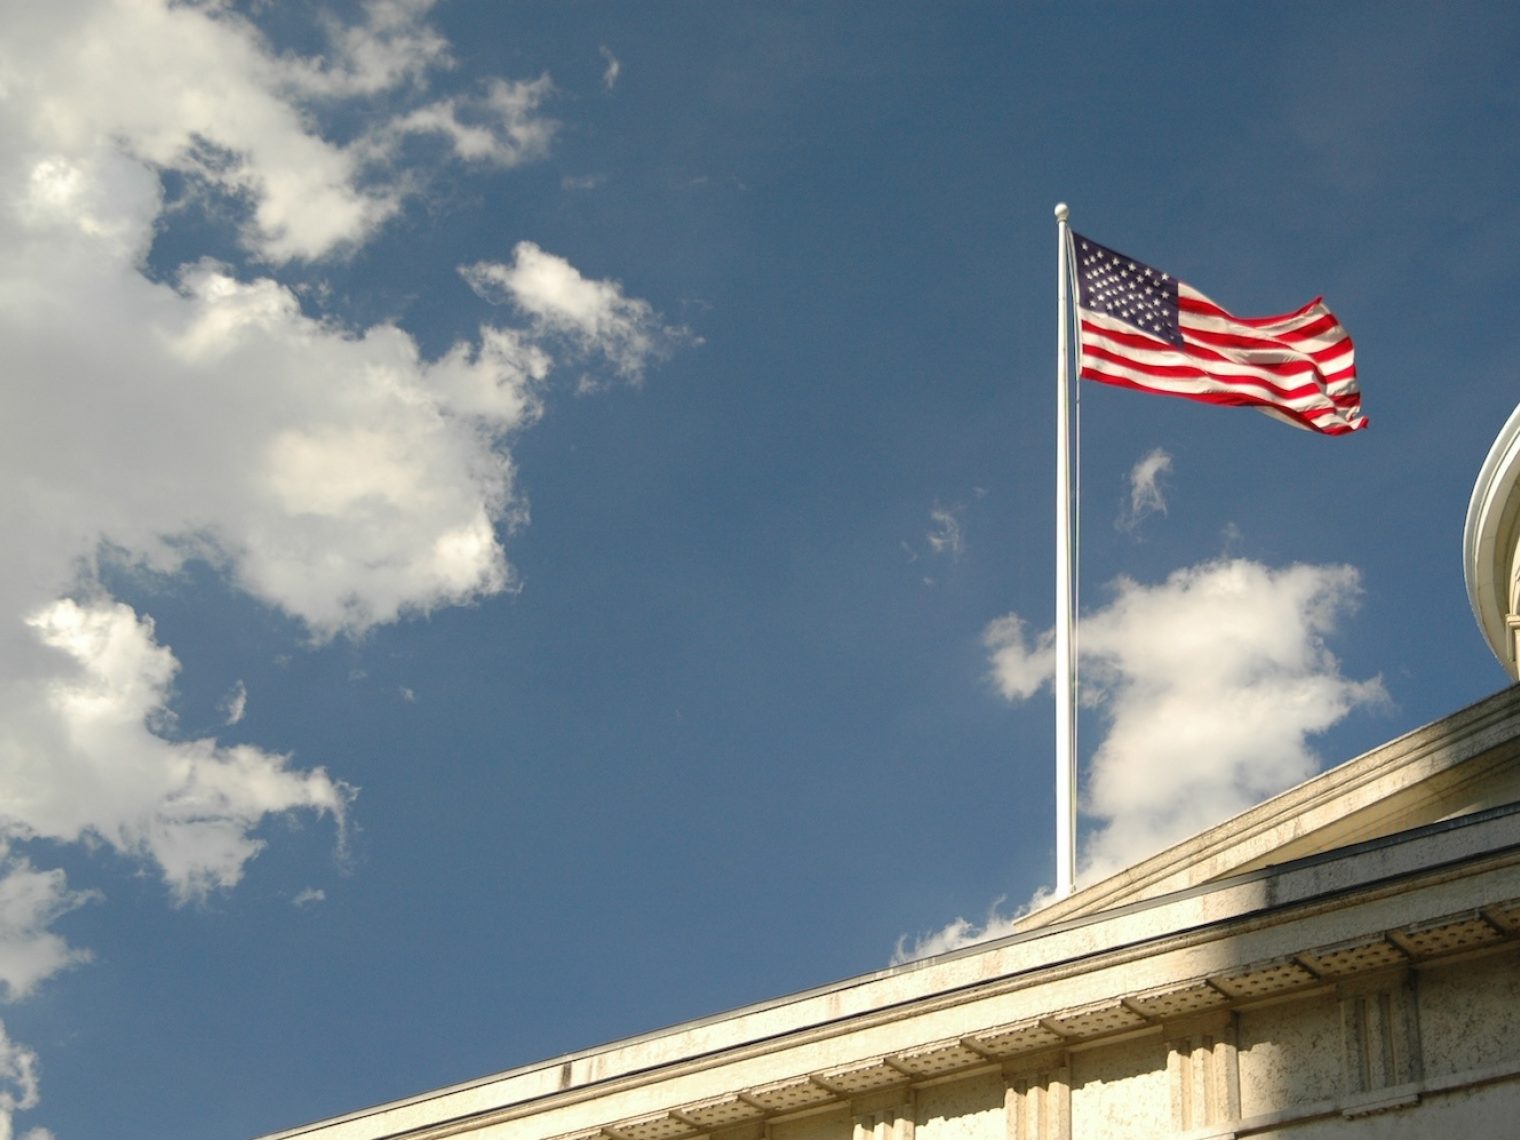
{"x":1398,"y":785}
{"x":1372,"y":976}
{"x":1296,"y":929}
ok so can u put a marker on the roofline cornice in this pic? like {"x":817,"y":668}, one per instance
{"x":1356,"y":897}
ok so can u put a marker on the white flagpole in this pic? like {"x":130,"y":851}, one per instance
{"x":1065,"y":679}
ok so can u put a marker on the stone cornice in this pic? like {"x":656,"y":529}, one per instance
{"x":1262,"y":936}
{"x":1029,"y":1043}
{"x":1415,"y":778}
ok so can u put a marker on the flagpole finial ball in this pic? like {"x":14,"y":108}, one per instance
{"x":1061,"y":211}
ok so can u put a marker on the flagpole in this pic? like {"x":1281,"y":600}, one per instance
{"x":1065,"y":680}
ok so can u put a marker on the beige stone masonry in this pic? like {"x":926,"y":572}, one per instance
{"x":1465,"y":762}
{"x":1203,"y":1065}
{"x":1379,"y":1017}
{"x":1037,"y":1103}
{"x":1380,"y":1031}
{"x":1311,"y":967}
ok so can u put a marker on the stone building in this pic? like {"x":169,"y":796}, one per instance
{"x":1491,"y":546}
{"x":1342,"y":960}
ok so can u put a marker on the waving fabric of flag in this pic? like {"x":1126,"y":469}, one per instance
{"x":1144,"y":329}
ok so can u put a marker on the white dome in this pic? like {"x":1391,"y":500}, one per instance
{"x":1491,"y":542}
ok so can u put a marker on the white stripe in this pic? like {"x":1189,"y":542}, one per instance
{"x":1232,"y":369}
{"x":1330,"y":341}
{"x":1307,"y":403}
{"x":1288,"y":323}
{"x":1332,"y":338}
{"x":1164,"y":353}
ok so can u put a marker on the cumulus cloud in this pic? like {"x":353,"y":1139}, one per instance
{"x":1210,"y":685}
{"x":501,"y":126}
{"x":115,"y":91}
{"x":1146,"y":496}
{"x":957,"y":933}
{"x":194,"y":89}
{"x":30,"y":901}
{"x":18,"y":1084}
{"x":1019,"y":667}
{"x":390,"y":45}
{"x":595,"y":318}
{"x":82,"y":759}
{"x":336,"y":475}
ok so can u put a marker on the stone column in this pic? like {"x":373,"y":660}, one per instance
{"x":1203,"y":1065}
{"x":1380,"y":1031}
{"x":1037,"y":1097}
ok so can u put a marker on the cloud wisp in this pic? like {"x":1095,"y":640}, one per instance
{"x":1146,"y":495}
{"x":948,"y":536}
{"x":613,"y":70}
{"x":148,"y":419}
{"x":1209,"y":684}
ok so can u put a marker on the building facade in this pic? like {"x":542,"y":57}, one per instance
{"x":1342,"y":960}
{"x":1491,"y":546}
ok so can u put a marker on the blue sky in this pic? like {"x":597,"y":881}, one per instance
{"x":532,"y":522}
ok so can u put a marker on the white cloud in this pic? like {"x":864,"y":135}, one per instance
{"x":335,"y":475}
{"x":30,"y":901}
{"x":178,"y":87}
{"x":502,"y":126}
{"x":957,"y":933}
{"x":18,"y":1084}
{"x":1146,"y":496}
{"x":614,"y":68}
{"x":310,"y":896}
{"x":79,"y":757}
{"x":390,"y":46}
{"x":947,"y":536}
{"x":1018,"y":668}
{"x":194,"y":88}
{"x":235,"y":704}
{"x":1210,"y":685}
{"x":596,"y":318}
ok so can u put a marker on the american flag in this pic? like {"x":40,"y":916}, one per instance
{"x":1144,"y":329}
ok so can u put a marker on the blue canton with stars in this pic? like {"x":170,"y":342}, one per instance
{"x":1119,"y":286}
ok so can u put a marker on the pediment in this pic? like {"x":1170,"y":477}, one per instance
{"x":1462,"y":763}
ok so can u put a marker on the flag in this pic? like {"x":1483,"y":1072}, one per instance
{"x":1141,"y":328}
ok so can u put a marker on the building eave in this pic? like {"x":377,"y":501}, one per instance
{"x":1398,"y":901}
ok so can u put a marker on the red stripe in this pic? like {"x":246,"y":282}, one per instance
{"x":1272,"y":363}
{"x":1194,"y":372}
{"x":1194,"y":345}
{"x":1313,"y":421}
{"x":1273,"y":358}
{"x":1192,"y":301}
{"x":1250,"y":389}
{"x":1294,"y":367}
{"x":1298,"y":340}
